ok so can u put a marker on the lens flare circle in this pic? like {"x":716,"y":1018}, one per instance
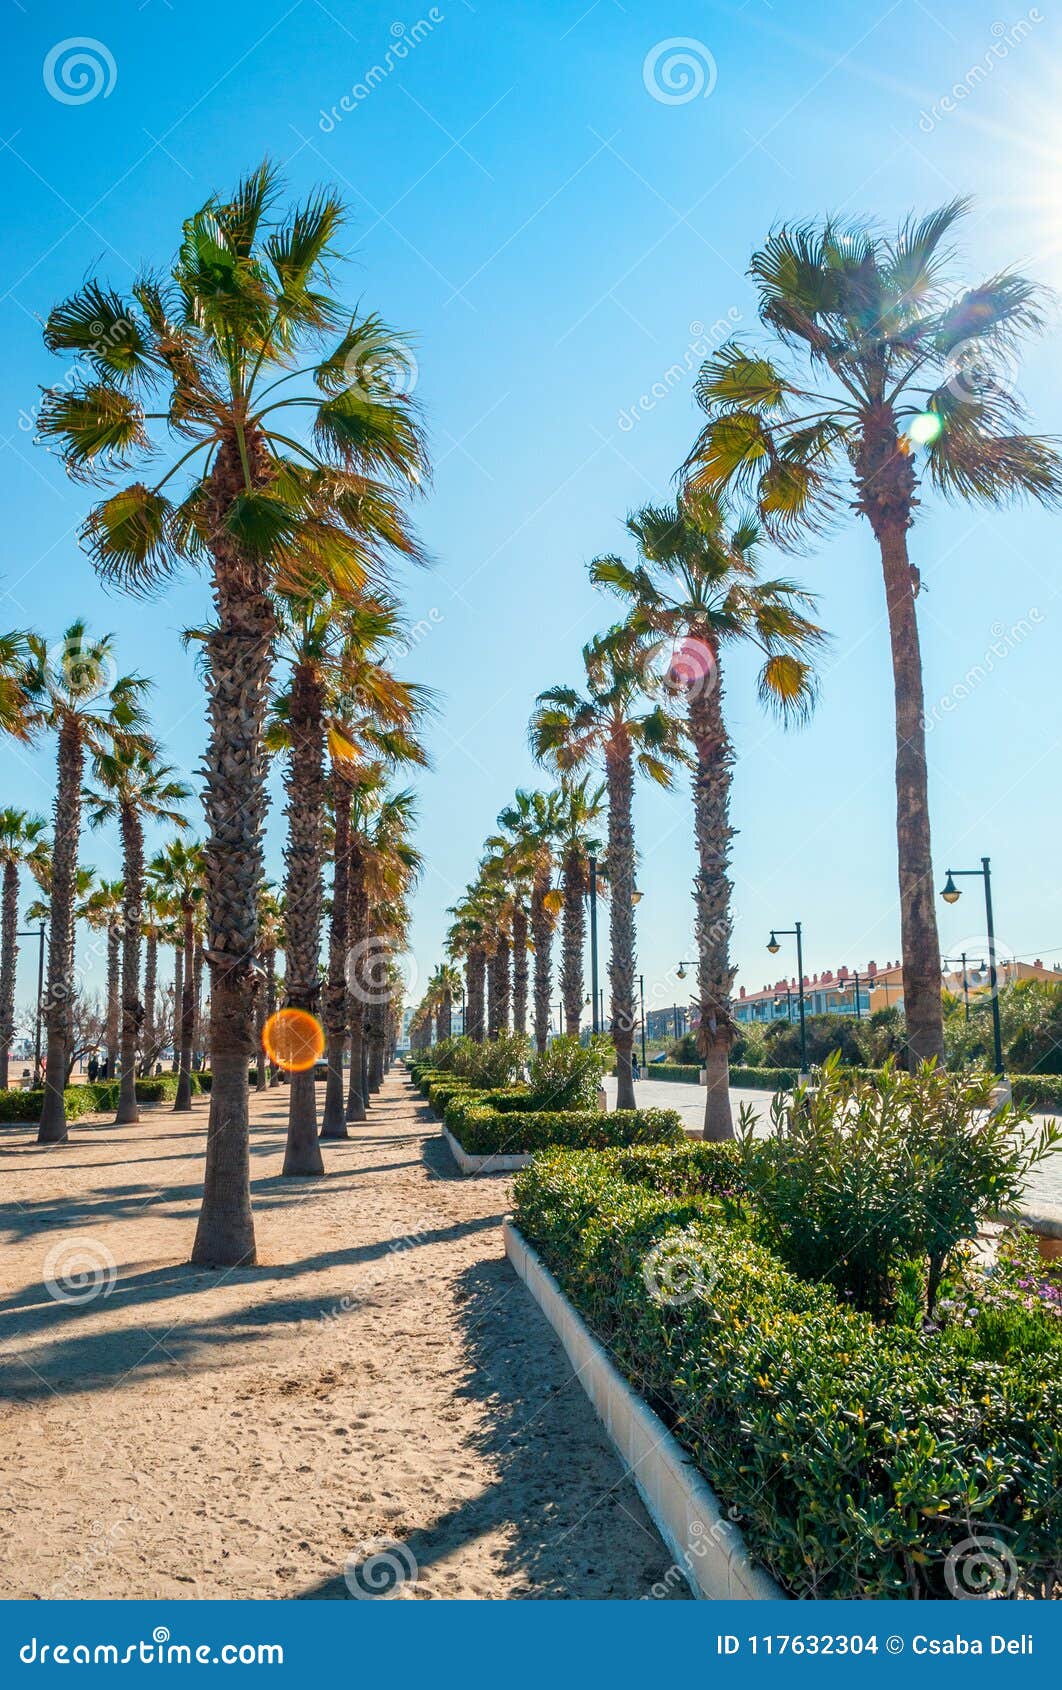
{"x":293,"y":1039}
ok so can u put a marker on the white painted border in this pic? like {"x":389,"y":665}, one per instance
{"x":709,"y":1550}
{"x":482,"y":1164}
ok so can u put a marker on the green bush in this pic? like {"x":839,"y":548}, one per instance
{"x":861,"y":1177}
{"x":764,"y":1079}
{"x":855,"y":1458}
{"x":18,"y":1105}
{"x":1036,"y":1091}
{"x":568,"y":1073}
{"x":482,"y":1131}
{"x":680,"y":1073}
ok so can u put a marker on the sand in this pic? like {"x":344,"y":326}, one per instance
{"x":378,"y":1407}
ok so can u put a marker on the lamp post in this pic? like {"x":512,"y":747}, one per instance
{"x":641,"y":1004}
{"x":965,"y":980}
{"x":38,"y":934}
{"x":777,"y":1004}
{"x":774,"y":947}
{"x":593,"y":946}
{"x":842,"y":989}
{"x":951,"y":895}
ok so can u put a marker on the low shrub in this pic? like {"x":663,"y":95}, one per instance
{"x":862,"y":1177}
{"x":16,"y":1105}
{"x":764,"y":1079}
{"x":568,"y":1073}
{"x":681,"y":1073}
{"x":1037,"y":1091}
{"x":859,"y":1461}
{"x":482,"y":1131}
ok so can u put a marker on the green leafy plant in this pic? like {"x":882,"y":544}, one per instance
{"x":568,"y":1074}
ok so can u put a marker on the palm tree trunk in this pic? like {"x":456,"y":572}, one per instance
{"x":887,"y":487}
{"x":711,"y":898}
{"x":270,"y":964}
{"x":303,"y":897}
{"x":334,"y":1119}
{"x":183,"y":1101}
{"x":493,"y":992}
{"x":151,"y":971}
{"x":178,"y":1004}
{"x":132,"y":913}
{"x":357,"y":917}
{"x":52,"y":1128}
{"x":239,"y":651}
{"x":542,"y":938}
{"x":502,"y":961}
{"x":197,"y":1001}
{"x":575,"y":884}
{"x":621,"y":960}
{"x":114,"y":996}
{"x":475,"y":968}
{"x":8,"y":960}
{"x":519,"y":967}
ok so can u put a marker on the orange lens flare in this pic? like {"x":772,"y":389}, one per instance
{"x":293,"y":1039}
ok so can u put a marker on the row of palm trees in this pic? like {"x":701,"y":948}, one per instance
{"x":289,"y":451}
{"x":882,"y":374}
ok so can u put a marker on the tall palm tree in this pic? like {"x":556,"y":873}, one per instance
{"x":132,"y":786}
{"x":443,"y":988}
{"x":696,"y":584}
{"x":612,"y":723}
{"x":581,"y":804}
{"x":153,"y":918}
{"x":212,"y":348}
{"x":533,"y":819}
{"x":21,"y":838}
{"x":465,"y":940}
{"x":383,"y":863}
{"x":101,"y":910}
{"x":180,"y":869}
{"x":887,"y":361}
{"x":270,"y":938}
{"x":70,"y":692}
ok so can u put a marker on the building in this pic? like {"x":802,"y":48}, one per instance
{"x":847,"y":992}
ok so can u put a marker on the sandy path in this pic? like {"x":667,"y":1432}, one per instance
{"x":381,"y":1376}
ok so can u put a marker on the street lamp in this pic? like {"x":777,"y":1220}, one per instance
{"x":842,"y":989}
{"x":595,"y":1022}
{"x":951,"y":895}
{"x":965,"y":979}
{"x":774,"y":947}
{"x":38,"y":934}
{"x":641,"y":1001}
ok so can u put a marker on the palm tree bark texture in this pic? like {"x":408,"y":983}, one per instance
{"x":9,"y":952}
{"x":713,"y":761}
{"x":357,"y":923}
{"x":303,"y":898}
{"x":334,"y":1118}
{"x":542,"y":939}
{"x":239,"y":649}
{"x":60,"y":984}
{"x":475,"y":969}
{"x":183,"y":1101}
{"x":520,"y":966}
{"x":132,"y":916}
{"x":575,"y":884}
{"x":619,"y":772}
{"x":886,"y":483}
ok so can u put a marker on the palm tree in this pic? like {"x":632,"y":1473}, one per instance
{"x":580,"y":804}
{"x":887,"y":362}
{"x":133,"y":786}
{"x":180,"y":869}
{"x":465,"y":940}
{"x":240,"y":316}
{"x":20,"y":844}
{"x":69,"y":692}
{"x":382,"y":865}
{"x":697,"y":585}
{"x":153,"y":917}
{"x":610,"y":723}
{"x":101,"y":909}
{"x":443,"y":988}
{"x":533,"y":819}
{"x":270,"y":937}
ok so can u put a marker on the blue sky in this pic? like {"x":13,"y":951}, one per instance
{"x":556,"y":238}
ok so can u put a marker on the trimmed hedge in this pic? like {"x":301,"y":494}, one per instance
{"x":16,"y":1105}
{"x":1037,"y":1091}
{"x":857,"y":1458}
{"x":683,"y":1073}
{"x":766,"y":1079}
{"x":482,"y":1131}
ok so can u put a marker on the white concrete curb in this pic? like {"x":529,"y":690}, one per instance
{"x":482,"y":1164}
{"x":709,"y":1550}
